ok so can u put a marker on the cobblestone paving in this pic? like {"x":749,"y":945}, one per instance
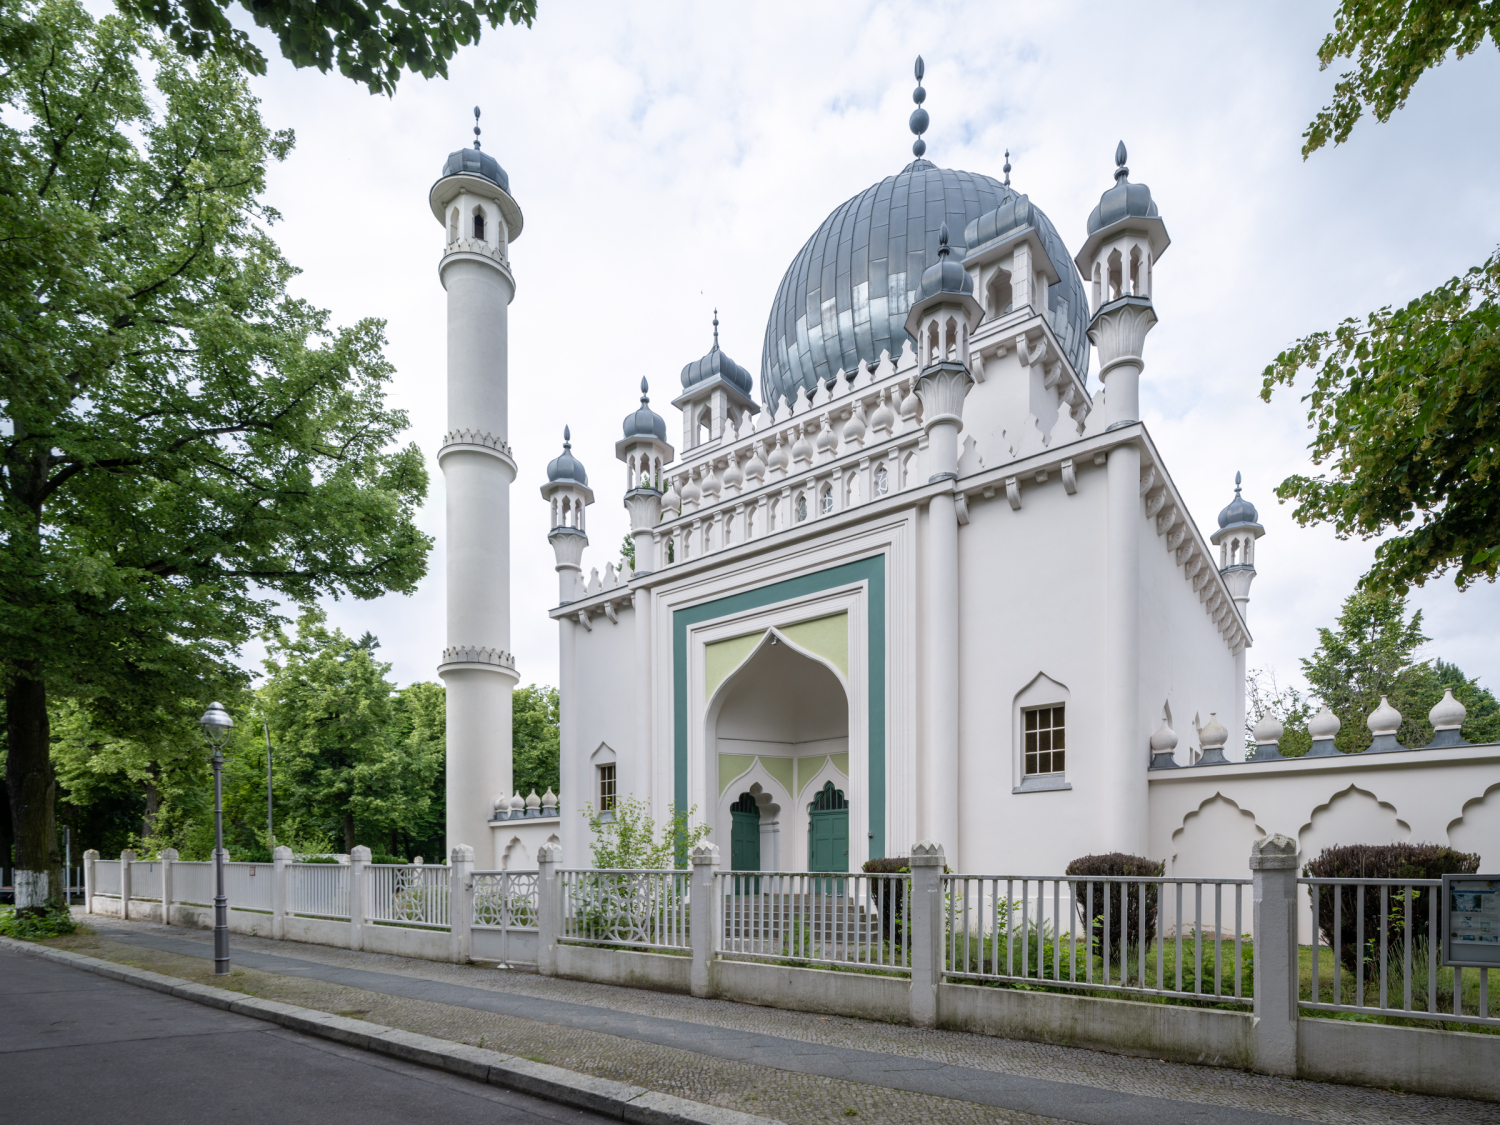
{"x":790,"y":1096}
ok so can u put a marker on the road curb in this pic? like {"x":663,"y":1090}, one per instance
{"x":620,"y":1100}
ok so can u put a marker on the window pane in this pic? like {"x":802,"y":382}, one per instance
{"x":1044,"y":741}
{"x":1031,"y":720}
{"x":1057,"y":737}
{"x":1057,"y":760}
{"x":1031,"y":763}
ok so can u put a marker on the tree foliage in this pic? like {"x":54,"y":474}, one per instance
{"x":184,"y":442}
{"x":1392,"y":43}
{"x":1406,"y":409}
{"x":1371,"y":653}
{"x":535,"y":742}
{"x":627,"y":836}
{"x":370,"y":41}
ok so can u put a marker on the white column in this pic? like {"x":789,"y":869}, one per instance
{"x":925,"y":912}
{"x":1238,"y":737}
{"x":548,"y":908}
{"x":460,"y":902}
{"x":359,"y":860}
{"x":639,"y":779}
{"x":1273,"y":866}
{"x":90,"y":858}
{"x":575,"y":778}
{"x":168,"y":858}
{"x":281,"y":859}
{"x":126,"y":859}
{"x":1125,"y":746}
{"x":477,"y":473}
{"x":702,"y":902}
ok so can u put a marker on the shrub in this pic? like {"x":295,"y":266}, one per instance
{"x":1116,"y":864}
{"x":890,"y":865}
{"x":1380,"y":861}
{"x":892,"y":903}
{"x":34,"y":923}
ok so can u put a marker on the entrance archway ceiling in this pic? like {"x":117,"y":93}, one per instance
{"x":828,"y":637}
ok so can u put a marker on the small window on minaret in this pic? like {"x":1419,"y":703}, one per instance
{"x":882,"y":481}
{"x":607,"y":788}
{"x":1045,"y":741}
{"x":478,"y":226}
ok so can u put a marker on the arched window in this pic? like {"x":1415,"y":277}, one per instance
{"x":453,"y":225}
{"x":1116,"y":279}
{"x":478,"y":225}
{"x":825,"y":501}
{"x":998,"y":293}
{"x":801,"y":507}
{"x":882,"y":481}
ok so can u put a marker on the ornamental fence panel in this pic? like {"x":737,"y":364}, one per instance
{"x":505,"y":900}
{"x":1376,"y":952}
{"x":1180,"y":938}
{"x":815,"y":918}
{"x":409,"y":894}
{"x":193,"y":883}
{"x":644,"y":909}
{"x":107,"y":877}
{"x":145,"y":880}
{"x":247,"y":886}
{"x":318,"y":890}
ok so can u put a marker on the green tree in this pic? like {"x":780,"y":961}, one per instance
{"x":185,"y":442}
{"x":1405,"y":406}
{"x":626,"y":836}
{"x":369,"y":41}
{"x":534,"y":738}
{"x":333,"y":717}
{"x":419,"y":729}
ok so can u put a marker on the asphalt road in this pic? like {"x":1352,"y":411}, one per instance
{"x":77,"y":1049}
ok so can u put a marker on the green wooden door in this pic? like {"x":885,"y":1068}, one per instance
{"x":744,"y":834}
{"x":828,"y":831}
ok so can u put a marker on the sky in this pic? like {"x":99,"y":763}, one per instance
{"x":671,"y":158}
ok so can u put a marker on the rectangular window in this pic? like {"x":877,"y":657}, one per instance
{"x":1045,"y":743}
{"x":606,"y":788}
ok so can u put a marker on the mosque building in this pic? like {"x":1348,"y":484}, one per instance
{"x":930,"y":580}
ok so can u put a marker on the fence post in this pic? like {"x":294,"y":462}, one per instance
{"x":1273,"y":862}
{"x":281,"y":858}
{"x":90,"y":857}
{"x":359,"y":859}
{"x":548,"y":907}
{"x":925,"y":909}
{"x":705,"y":858}
{"x":460,"y":902}
{"x":127,"y":857}
{"x":168,"y":858}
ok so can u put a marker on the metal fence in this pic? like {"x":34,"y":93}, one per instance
{"x":145,"y":880}
{"x":193,"y":883}
{"x":1376,"y":950}
{"x":825,"y":919}
{"x":641,"y":908}
{"x":107,"y":877}
{"x":318,"y":890}
{"x":1144,"y":936}
{"x":409,"y":894}
{"x":247,"y":886}
{"x":505,"y":900}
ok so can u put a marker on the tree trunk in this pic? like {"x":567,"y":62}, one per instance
{"x":348,"y":831}
{"x":33,"y":793}
{"x":153,"y":806}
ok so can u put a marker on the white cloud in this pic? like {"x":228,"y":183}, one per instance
{"x":674,"y":157}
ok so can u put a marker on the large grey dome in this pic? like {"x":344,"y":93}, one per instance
{"x":845,"y":297}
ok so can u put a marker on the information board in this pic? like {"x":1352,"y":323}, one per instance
{"x":1471,"y":921}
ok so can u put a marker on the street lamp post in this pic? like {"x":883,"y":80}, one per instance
{"x":216,"y":725}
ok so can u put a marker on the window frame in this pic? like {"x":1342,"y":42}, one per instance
{"x":606,"y":772}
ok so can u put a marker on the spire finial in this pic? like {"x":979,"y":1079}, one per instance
{"x":644,"y":398}
{"x":943,"y":248}
{"x":567,"y":438}
{"x":1120,"y":170}
{"x":1006,"y":169}
{"x":1236,"y":483}
{"x":476,"y":126}
{"x":919,"y":117}
{"x":716,"y":329}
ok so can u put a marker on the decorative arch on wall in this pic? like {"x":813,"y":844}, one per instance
{"x":1352,"y":799}
{"x":1040,"y":691}
{"x":1477,"y":827}
{"x":1216,"y":836}
{"x":515,"y":857}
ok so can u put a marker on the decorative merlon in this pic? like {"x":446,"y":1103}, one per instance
{"x":471,"y":438}
{"x":479,"y":654}
{"x":476,"y":246}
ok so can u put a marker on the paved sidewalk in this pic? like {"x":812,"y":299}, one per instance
{"x":75,"y":1047}
{"x":793,"y":1066}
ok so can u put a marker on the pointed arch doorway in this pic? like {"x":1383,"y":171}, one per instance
{"x":781,"y":719}
{"x":828,"y":830}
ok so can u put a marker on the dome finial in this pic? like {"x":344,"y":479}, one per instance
{"x":644,"y":398}
{"x":943,"y":248}
{"x":1236,"y":482}
{"x":1121,"y":172}
{"x":919,"y":117}
{"x":567,"y":438}
{"x":716,"y":329}
{"x":476,"y":126}
{"x":1006,"y":169}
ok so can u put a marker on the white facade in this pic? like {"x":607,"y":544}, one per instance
{"x":848,"y":608}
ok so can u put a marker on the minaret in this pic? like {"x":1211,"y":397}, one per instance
{"x":480,"y":220}
{"x":568,"y":494}
{"x":715,"y":395}
{"x":1238,"y":531}
{"x":645,"y":451}
{"x":941,"y":320}
{"x":1125,"y":239}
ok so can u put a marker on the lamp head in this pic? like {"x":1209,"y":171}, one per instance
{"x":216,"y":725}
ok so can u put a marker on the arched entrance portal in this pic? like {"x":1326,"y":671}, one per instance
{"x":780,"y":730}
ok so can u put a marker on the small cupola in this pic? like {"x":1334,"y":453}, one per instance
{"x":1126,"y":238}
{"x":945,"y":311}
{"x":1238,"y":530}
{"x":715,"y":395}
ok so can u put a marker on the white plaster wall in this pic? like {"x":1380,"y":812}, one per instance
{"x":1030,"y":603}
{"x":514,"y":843}
{"x":603,"y":709}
